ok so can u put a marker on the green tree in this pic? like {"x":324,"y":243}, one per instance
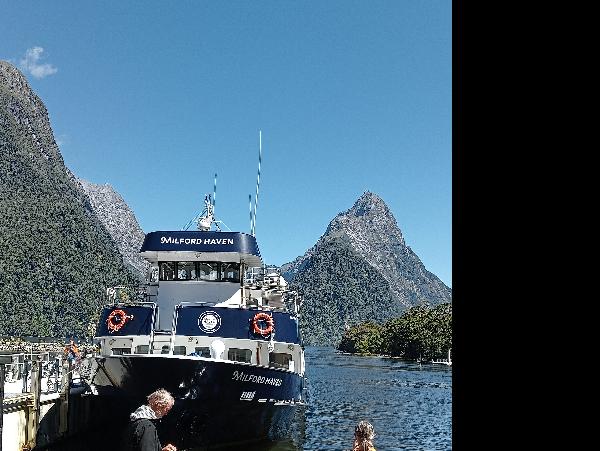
{"x":421,"y":332}
{"x":364,"y":338}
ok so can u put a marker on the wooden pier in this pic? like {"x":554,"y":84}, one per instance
{"x":36,"y":391}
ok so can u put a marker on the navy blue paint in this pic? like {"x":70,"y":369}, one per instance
{"x":236,"y":323}
{"x":141,"y":324}
{"x":208,"y":408}
{"x":182,"y":241}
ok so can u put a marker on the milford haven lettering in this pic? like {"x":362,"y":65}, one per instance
{"x":171,"y":240}
{"x":241,"y":376}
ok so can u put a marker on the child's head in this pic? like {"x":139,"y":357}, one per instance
{"x":364,"y":431}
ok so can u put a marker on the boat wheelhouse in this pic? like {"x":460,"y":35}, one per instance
{"x":205,"y":290}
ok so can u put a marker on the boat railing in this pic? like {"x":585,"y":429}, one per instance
{"x":292,"y":300}
{"x":193,"y":303}
{"x":18,"y":367}
{"x":137,"y":293}
{"x":267,"y":275}
{"x":173,"y":330}
{"x":151,"y":342}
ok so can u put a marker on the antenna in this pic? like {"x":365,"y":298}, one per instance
{"x":206,"y":220}
{"x":215,"y":192}
{"x":209,"y":210}
{"x":257,"y":181}
{"x":250,"y":201}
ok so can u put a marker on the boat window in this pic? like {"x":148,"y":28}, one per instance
{"x":179,"y":350}
{"x":167,"y":270}
{"x":208,"y":271}
{"x":121,"y":351}
{"x":141,"y":349}
{"x":230,"y":272}
{"x":164,"y":349}
{"x":186,"y":270}
{"x":202,"y":352}
{"x":280,"y":360}
{"x":239,"y":355}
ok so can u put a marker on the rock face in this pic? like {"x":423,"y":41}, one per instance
{"x":120,"y":222}
{"x":360,"y":269}
{"x":57,"y":258}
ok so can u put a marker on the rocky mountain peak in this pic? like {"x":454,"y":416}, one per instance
{"x":12,"y":79}
{"x":368,"y":218}
{"x":361,"y":268}
{"x":369,"y":204}
{"x":28,"y":112}
{"x":368,"y":225}
{"x":120,"y":221}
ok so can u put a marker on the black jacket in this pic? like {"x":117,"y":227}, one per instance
{"x":141,"y":435}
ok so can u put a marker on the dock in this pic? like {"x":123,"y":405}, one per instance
{"x":447,"y":361}
{"x":37,"y":399}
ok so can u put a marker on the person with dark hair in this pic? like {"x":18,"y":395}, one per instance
{"x":363,"y":437}
{"x":141,"y":434}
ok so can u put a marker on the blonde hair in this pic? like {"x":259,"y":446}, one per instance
{"x":364,"y":434}
{"x":161,"y":398}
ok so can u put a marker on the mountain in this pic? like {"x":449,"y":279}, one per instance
{"x":121,"y":223}
{"x":360,"y":269}
{"x":57,"y":257}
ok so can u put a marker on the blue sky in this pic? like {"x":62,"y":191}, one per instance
{"x":154,"y":97}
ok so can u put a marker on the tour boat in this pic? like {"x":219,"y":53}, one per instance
{"x":216,"y":328}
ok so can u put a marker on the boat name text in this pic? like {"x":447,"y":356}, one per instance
{"x":240,"y":376}
{"x":171,"y":240}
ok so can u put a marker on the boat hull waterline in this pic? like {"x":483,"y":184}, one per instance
{"x":216,"y":402}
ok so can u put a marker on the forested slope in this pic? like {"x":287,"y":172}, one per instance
{"x":56,"y":258}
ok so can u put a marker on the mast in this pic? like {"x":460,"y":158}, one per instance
{"x":257,"y":181}
{"x":214,"y":201}
{"x":205,"y":221}
{"x":250,"y":202}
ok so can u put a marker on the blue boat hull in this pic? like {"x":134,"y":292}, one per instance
{"x":216,"y":402}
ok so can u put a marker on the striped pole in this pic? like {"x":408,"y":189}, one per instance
{"x":250,"y":201}
{"x":215,"y":192}
{"x":257,"y":180}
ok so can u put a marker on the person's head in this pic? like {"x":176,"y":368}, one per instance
{"x":161,"y":402}
{"x":364,"y":431}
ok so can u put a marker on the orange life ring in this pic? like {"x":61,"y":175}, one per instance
{"x":267,"y":319}
{"x":117,"y":319}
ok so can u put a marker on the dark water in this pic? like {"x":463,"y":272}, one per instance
{"x":410,"y":406}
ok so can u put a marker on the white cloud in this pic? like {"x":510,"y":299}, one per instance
{"x":31,"y":63}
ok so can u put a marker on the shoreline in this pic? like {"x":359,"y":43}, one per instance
{"x":35,"y":345}
{"x":385,"y":356}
